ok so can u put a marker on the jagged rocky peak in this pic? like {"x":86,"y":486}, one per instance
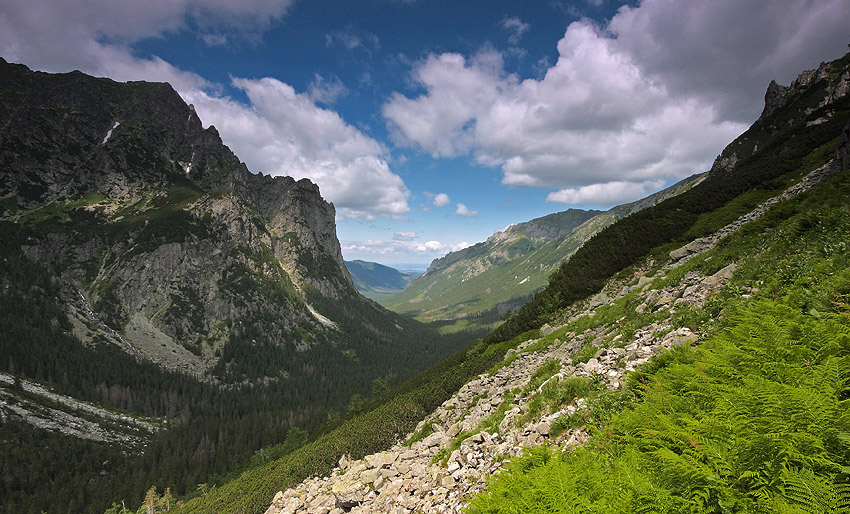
{"x":162,"y":239}
{"x":809,"y":99}
{"x":72,"y":133}
{"x":773,"y":98}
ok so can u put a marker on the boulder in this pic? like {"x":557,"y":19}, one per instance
{"x":381,"y":460}
{"x":349,"y":491}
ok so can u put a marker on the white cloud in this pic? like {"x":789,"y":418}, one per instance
{"x":727,"y":51}
{"x":644,"y":100}
{"x":611,"y":193}
{"x":53,"y":35}
{"x":327,"y":91}
{"x":516,"y":28}
{"x":352,"y":39}
{"x":399,"y":251}
{"x":404,"y":236}
{"x":285,"y":133}
{"x":441,"y":200}
{"x":280,"y":132}
{"x":458,"y":91}
{"x":463,"y":210}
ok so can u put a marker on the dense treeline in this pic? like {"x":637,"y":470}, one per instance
{"x":211,"y":431}
{"x":360,"y":435}
{"x":622,"y":244}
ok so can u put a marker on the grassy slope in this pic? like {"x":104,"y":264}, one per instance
{"x":755,"y":418}
{"x":482,"y":282}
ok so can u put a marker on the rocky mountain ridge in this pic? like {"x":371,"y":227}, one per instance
{"x":149,"y":217}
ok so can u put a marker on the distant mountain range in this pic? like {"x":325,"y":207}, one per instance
{"x":377,"y":281}
{"x":476,"y":286}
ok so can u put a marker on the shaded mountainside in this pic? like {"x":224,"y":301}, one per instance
{"x":690,"y":357}
{"x":146,"y":269}
{"x":371,"y":278}
{"x":476,"y":286}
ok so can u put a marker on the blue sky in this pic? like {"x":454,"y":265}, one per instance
{"x":432,"y":124}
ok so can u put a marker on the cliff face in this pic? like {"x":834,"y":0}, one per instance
{"x":163,"y":242}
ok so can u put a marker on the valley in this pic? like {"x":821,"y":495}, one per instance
{"x":183,"y":335}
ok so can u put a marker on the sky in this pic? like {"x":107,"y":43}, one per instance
{"x":432,"y":124}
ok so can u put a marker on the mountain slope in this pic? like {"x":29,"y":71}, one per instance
{"x":146,"y":269}
{"x":764,"y":262}
{"x":781,"y":146}
{"x":478,"y":285}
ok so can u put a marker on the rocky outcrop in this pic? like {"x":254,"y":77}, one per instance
{"x":808,"y":101}
{"x":774,"y":97}
{"x":163,"y":241}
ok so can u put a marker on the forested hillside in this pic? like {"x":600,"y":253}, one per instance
{"x":377,"y":281}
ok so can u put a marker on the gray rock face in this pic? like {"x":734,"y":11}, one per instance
{"x":163,"y":241}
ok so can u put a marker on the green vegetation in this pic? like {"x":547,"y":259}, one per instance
{"x":370,"y":432}
{"x":753,"y":419}
{"x":479,"y":284}
{"x":376,"y":281}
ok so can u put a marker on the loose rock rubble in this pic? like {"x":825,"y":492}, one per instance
{"x":410,"y":479}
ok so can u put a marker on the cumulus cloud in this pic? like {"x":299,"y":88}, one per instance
{"x":352,"y":39}
{"x":515,"y":28}
{"x":441,"y":200}
{"x":281,"y":131}
{"x":414,"y":249}
{"x":463,"y":210}
{"x":285,"y":133}
{"x":643,"y":100}
{"x":398,"y":250}
{"x":459,"y":90}
{"x":727,"y":51}
{"x":611,"y":193}
{"x":50,"y":34}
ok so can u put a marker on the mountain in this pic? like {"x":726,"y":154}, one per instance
{"x":375,"y":280}
{"x":668,"y":365}
{"x":146,"y":269}
{"x":476,"y":286}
